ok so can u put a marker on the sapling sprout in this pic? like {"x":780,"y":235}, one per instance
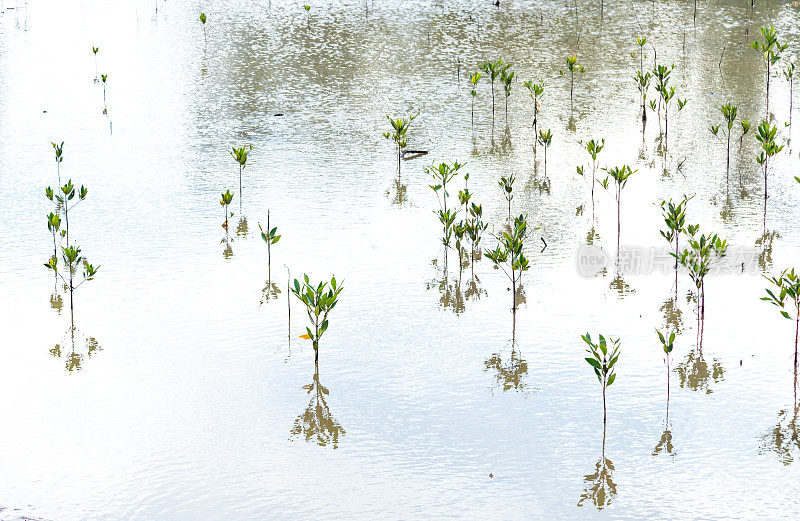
{"x":493,"y":70}
{"x":642,"y":83}
{"x":604,"y":356}
{"x":675,"y":218}
{"x":509,"y":252}
{"x":698,"y":259}
{"x":729,"y":112}
{"x":787,"y":287}
{"x":59,"y":150}
{"x":473,"y":80}
{"x":572,"y":66}
{"x":227,"y":198}
{"x":507,"y":186}
{"x":68,"y":193}
{"x":661,"y":73}
{"x":620,"y":175}
{"x":270,"y":237}
{"x":745,"y":129}
{"x":536,"y":91}
{"x":770,"y":50}
{"x":94,"y":51}
{"x":545,"y":138}
{"x":104,"y":77}
{"x":54,"y":226}
{"x":398,"y":134}
{"x":593,"y":147}
{"x":506,"y":77}
{"x":72,"y":258}
{"x":240,"y":155}
{"x":203,"y":21}
{"x":475,"y":229}
{"x":765,"y":134}
{"x":319,"y":299}
{"x":441,"y":175}
{"x":667,"y":344}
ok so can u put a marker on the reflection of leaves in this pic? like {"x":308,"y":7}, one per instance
{"x":56,"y":302}
{"x":695,"y":373}
{"x":269,"y":292}
{"x":620,"y":286}
{"x":451,"y":296}
{"x":400,"y":193}
{"x":316,"y":424}
{"x":474,"y":292}
{"x":75,"y":356}
{"x":228,"y":251}
{"x":592,"y":235}
{"x":782,"y":439}
{"x":511,"y":375}
{"x":665,"y":444}
{"x":765,"y":254}
{"x":241,"y":228}
{"x":673,"y":316}
{"x":600,"y":489}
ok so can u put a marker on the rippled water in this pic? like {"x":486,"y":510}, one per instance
{"x":185,"y":398}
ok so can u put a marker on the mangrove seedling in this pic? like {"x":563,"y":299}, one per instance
{"x":620,"y":175}
{"x":509,"y":252}
{"x":675,"y":218}
{"x":104,"y":78}
{"x":203,"y":21}
{"x":698,"y":259}
{"x":787,"y":287}
{"x":545,"y":138}
{"x":441,"y":175}
{"x":667,"y":344}
{"x":572,"y":66}
{"x":745,"y":129}
{"x":319,"y":299}
{"x":506,"y":77}
{"x":770,"y":50}
{"x":94,"y":51}
{"x":308,"y":11}
{"x":765,"y":134}
{"x":240,"y":155}
{"x":475,"y":229}
{"x":593,"y":147}
{"x":398,"y":134}
{"x":729,"y":112}
{"x":661,"y":74}
{"x":789,"y":75}
{"x":604,"y":356}
{"x":59,"y":150}
{"x":227,"y":198}
{"x":507,"y":186}
{"x":642,"y":83}
{"x":536,"y":91}
{"x":493,"y":70}
{"x":54,"y":225}
{"x":473,"y":80}
{"x":270,"y":237}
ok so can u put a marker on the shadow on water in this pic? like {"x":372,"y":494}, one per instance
{"x":74,"y":351}
{"x":316,"y":424}
{"x":784,"y":439}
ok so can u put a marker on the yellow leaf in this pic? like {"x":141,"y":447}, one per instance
{"x":306,"y":336}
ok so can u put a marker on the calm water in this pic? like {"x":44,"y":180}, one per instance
{"x":185,"y":398}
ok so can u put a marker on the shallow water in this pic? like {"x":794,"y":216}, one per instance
{"x":186,"y":405}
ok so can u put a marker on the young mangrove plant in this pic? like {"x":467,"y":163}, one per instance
{"x":474,"y":78}
{"x":240,"y":155}
{"x":789,"y":75}
{"x":203,"y":21}
{"x":675,"y":218}
{"x":227,"y":198}
{"x":729,"y":112}
{"x":536,"y":91}
{"x":770,"y":50}
{"x":441,"y":175}
{"x":71,"y":255}
{"x":698,"y":259}
{"x":270,"y":237}
{"x":507,"y":186}
{"x":492,"y":70}
{"x":509,"y":254}
{"x":398,"y":134}
{"x":787,"y":287}
{"x":54,"y":226}
{"x":506,"y":78}
{"x":104,"y":78}
{"x":94,"y":51}
{"x":545,"y":139}
{"x":667,"y":344}
{"x":475,"y":229}
{"x":59,"y":150}
{"x":642,"y":84}
{"x":604,"y":356}
{"x":620,"y":175}
{"x":319,"y":299}
{"x":666,"y":93}
{"x":765,"y":134}
{"x":572,"y":66}
{"x":593,"y":147}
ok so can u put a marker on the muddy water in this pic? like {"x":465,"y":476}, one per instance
{"x":188,"y":394}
